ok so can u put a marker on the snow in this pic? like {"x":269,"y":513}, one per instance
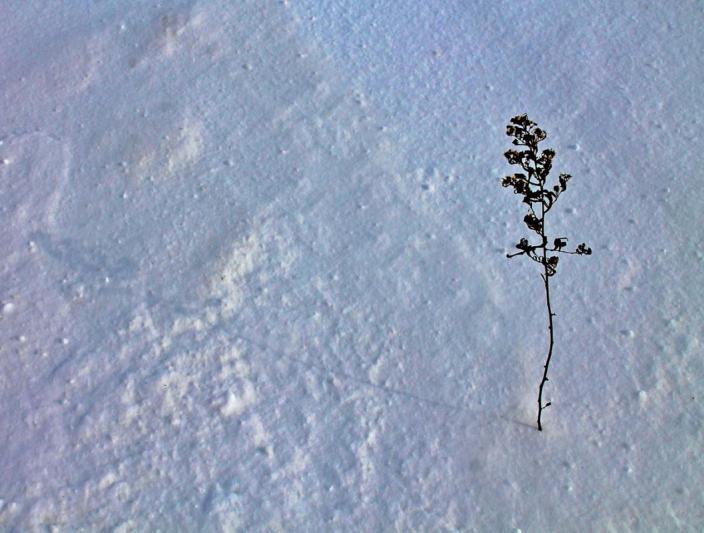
{"x":254,"y":270}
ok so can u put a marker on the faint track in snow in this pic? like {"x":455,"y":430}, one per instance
{"x":384,"y":389}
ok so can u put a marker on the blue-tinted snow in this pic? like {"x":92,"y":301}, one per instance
{"x":254,"y":269}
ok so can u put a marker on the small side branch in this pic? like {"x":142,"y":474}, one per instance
{"x":516,"y":254}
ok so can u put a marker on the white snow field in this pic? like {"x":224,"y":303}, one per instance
{"x":253,"y":269}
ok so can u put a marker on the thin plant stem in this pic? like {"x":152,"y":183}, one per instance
{"x":551,"y":331}
{"x":546,"y":281}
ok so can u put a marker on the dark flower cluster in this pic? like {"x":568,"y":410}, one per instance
{"x":526,"y":133}
{"x":532,"y":185}
{"x":518,"y":181}
{"x":583,"y":249}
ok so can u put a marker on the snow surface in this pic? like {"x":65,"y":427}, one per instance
{"x":254,"y":271}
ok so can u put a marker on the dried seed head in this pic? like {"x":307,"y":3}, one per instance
{"x":512,"y":156}
{"x":521,"y":120}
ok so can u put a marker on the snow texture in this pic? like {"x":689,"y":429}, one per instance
{"x":254,"y":273}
